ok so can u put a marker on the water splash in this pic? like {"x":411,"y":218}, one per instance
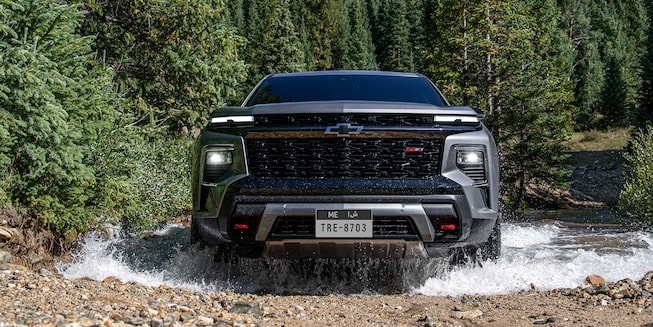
{"x":545,"y":256}
{"x":548,"y":257}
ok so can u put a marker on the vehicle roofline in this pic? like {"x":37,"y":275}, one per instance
{"x":345,"y":72}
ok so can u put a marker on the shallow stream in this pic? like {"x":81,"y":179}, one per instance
{"x":550,"y":250}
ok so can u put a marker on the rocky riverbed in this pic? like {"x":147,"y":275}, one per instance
{"x":45,"y":298}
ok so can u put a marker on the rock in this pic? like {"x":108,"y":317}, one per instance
{"x":427,"y":321}
{"x":9,"y":266}
{"x":550,"y":320}
{"x":185,"y":309}
{"x":295,"y":309}
{"x":110,"y":280}
{"x":5,"y":233}
{"x":553,"y":320}
{"x":185,"y":317}
{"x":245,"y":307}
{"x":147,"y":235}
{"x":4,"y":257}
{"x":595,"y":280}
{"x":205,"y":320}
{"x":600,"y":289}
{"x":471,"y":314}
{"x":133,"y":320}
{"x":152,"y":313}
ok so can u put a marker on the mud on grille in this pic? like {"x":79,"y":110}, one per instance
{"x":304,"y":227}
{"x":344,"y":158}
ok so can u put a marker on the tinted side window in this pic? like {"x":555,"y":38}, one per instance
{"x":277,"y":89}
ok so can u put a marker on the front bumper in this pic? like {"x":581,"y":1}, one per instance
{"x":261,"y":204}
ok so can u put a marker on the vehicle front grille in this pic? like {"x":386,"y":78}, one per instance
{"x":344,"y":158}
{"x":304,"y":227}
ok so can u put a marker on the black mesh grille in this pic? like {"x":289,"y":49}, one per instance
{"x":344,"y":158}
{"x":265,"y":121}
{"x":304,"y":227}
{"x":393,"y":227}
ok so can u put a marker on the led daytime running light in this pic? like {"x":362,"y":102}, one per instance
{"x":232,"y":119}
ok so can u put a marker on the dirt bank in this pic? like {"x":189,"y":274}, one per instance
{"x":596,"y":181}
{"x":597,"y":177}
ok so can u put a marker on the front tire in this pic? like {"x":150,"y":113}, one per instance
{"x":488,"y":251}
{"x":491,"y":250}
{"x":195,"y":233}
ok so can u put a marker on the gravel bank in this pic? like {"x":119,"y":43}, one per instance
{"x":46,"y":299}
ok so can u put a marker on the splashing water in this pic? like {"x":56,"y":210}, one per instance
{"x":546,"y":256}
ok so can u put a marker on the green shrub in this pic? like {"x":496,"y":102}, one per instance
{"x":143,"y":177}
{"x":53,"y":101}
{"x":636,"y":198}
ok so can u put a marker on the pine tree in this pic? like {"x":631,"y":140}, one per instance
{"x":280,"y":35}
{"x":359,"y":49}
{"x":392,"y":40}
{"x":632,"y":15}
{"x":532,"y":114}
{"x":321,"y":20}
{"x":588,"y":74}
{"x":54,"y":101}
{"x":644,"y":114}
{"x":455,"y":41}
{"x":508,"y":58}
{"x":600,"y":31}
{"x":613,"y":104}
{"x":175,"y":61}
{"x":417,"y":16}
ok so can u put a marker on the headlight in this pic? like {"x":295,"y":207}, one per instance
{"x":218,"y":158}
{"x":471,"y":160}
{"x":465,"y":157}
{"x":217,"y":161}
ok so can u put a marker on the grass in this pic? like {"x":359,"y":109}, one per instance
{"x":595,"y":140}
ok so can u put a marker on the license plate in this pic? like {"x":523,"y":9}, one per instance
{"x":343,"y":223}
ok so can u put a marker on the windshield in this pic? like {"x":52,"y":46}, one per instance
{"x":298,"y":88}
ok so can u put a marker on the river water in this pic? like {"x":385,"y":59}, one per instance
{"x":555,"y":250}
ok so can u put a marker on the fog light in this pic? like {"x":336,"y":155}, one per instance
{"x":471,"y":160}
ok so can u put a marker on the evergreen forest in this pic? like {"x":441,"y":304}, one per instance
{"x":100,"y":99}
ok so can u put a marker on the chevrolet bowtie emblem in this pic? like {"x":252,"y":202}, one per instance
{"x":343,"y":129}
